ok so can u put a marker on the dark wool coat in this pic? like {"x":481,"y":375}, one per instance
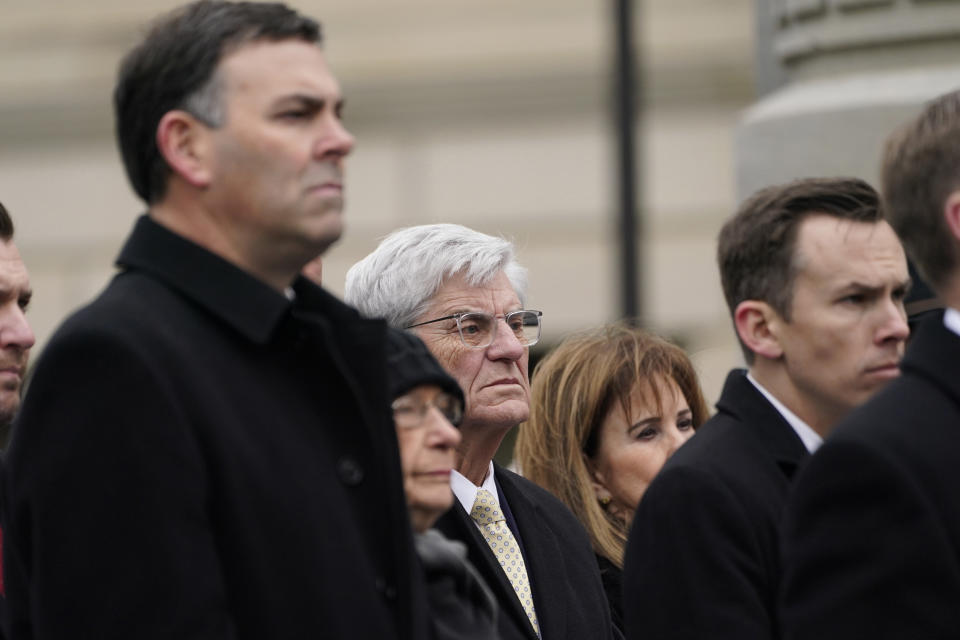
{"x":702,"y":557}
{"x":871,"y":536}
{"x":461,"y":605}
{"x":199,"y":457}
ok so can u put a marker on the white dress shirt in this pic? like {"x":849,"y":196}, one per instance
{"x":810,"y":438}
{"x":951,"y":320}
{"x":466,"y":491}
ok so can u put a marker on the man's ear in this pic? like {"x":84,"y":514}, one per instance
{"x":757,"y":324}
{"x":184,"y":142}
{"x":951,"y":213}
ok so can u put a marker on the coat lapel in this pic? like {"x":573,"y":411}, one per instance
{"x":741,"y":399}
{"x":934,"y":354}
{"x":364,"y":361}
{"x":457,"y":524}
{"x":544,"y":559}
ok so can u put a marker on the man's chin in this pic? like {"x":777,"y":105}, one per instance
{"x":506,"y":415}
{"x":9,"y":405}
{"x":326,"y":235}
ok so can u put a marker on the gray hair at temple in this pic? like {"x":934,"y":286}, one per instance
{"x":6,"y":224}
{"x":405,"y":271}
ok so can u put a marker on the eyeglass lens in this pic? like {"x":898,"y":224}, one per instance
{"x":411,"y":414}
{"x":478,"y":329}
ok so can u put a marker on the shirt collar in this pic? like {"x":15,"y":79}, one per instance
{"x":810,"y":438}
{"x":238,"y":298}
{"x":951,"y":320}
{"x":466,"y":491}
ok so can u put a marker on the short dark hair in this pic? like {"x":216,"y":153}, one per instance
{"x":756,"y":247}
{"x":6,"y":224}
{"x":921,"y":168}
{"x":175,"y":68}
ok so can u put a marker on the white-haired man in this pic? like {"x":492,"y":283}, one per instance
{"x":463,"y":293}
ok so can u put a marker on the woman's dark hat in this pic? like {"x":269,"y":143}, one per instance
{"x":410,"y":364}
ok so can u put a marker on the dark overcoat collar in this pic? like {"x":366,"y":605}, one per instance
{"x":742,"y":400}
{"x":934,"y":354}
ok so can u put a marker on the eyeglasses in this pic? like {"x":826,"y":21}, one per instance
{"x":410,"y":413}
{"x":479,"y":330}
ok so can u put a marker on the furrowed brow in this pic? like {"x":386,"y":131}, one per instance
{"x":302,"y":100}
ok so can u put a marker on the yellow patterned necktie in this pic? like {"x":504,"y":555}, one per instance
{"x":486,"y":513}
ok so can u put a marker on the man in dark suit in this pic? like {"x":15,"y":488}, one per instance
{"x":871,"y":536}
{"x":206,"y":450}
{"x":462,"y":292}
{"x":815,"y":281}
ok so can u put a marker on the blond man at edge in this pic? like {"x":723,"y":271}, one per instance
{"x":463,"y":292}
{"x":871,"y":534}
{"x":815,"y":280}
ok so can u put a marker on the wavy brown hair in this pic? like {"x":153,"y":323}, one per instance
{"x":573,"y":390}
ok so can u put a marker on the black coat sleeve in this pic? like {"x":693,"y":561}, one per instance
{"x":107,"y":532}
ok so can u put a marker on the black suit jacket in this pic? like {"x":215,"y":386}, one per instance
{"x":871,"y":536}
{"x":199,"y":457}
{"x":702,"y":556}
{"x":567,"y":592}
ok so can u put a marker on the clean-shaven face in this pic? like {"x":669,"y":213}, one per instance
{"x":847,"y":326}
{"x":278,"y":159}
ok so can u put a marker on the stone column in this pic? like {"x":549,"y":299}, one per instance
{"x":835,"y":77}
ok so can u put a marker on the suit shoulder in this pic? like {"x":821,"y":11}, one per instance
{"x":129,"y":303}
{"x":134,"y":319}
{"x":530,"y":490}
{"x":721,"y":446}
{"x":728,"y":463}
{"x":882,"y":418}
{"x":549,"y":505}
{"x":911,"y":423}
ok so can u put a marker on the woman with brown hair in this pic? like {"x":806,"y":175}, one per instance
{"x":608,"y":407}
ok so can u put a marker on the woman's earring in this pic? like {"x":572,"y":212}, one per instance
{"x":604,"y":501}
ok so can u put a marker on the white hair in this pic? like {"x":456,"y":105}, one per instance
{"x":403,"y":274}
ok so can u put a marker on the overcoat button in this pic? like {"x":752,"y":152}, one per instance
{"x":387,"y":591}
{"x":351,"y":474}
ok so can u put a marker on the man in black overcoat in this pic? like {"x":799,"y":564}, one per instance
{"x":206,"y":450}
{"x":871,"y":536}
{"x":815,"y":280}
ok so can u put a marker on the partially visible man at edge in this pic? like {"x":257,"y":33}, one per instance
{"x":207,"y":448}
{"x":815,"y":281}
{"x":16,"y":338}
{"x":871,"y":533}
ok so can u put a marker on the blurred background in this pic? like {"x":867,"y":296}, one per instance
{"x":501,"y":116}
